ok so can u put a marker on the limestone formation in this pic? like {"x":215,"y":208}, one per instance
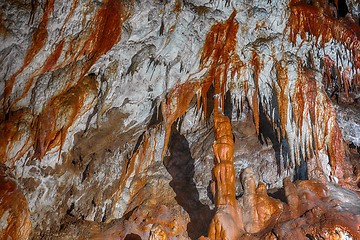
{"x":181,"y":119}
{"x":14,"y":213}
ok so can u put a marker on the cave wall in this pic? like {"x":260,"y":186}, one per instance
{"x":93,"y":92}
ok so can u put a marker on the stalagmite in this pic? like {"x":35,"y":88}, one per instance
{"x":226,"y":223}
{"x":259,"y":211}
{"x":217,"y":52}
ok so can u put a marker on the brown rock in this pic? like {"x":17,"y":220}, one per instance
{"x":226,"y":224}
{"x":225,"y":184}
{"x":292,"y":198}
{"x":314,"y":213}
{"x":14,"y":214}
{"x":259,"y":211}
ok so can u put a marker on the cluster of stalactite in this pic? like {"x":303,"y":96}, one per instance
{"x":21,"y":130}
{"x":24,"y":131}
{"x":256,"y":215}
{"x":320,"y":20}
{"x":312,"y":106}
{"x":72,"y":100}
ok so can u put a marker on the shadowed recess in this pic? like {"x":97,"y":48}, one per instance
{"x":180,"y":165}
{"x":266,"y":132}
{"x":132,"y":236}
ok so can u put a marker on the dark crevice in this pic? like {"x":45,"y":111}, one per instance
{"x":353,"y":146}
{"x":228,"y":105}
{"x":85,"y":173}
{"x":132,"y":236}
{"x":278,"y":193}
{"x":138,"y":142}
{"x":156,"y":117}
{"x":342,"y":8}
{"x":127,"y":215}
{"x":210,"y":102}
{"x":301,"y":172}
{"x":71,"y":208}
{"x":180,"y":165}
{"x":209,"y":193}
{"x":308,"y":236}
{"x":285,"y":153}
{"x":108,"y":208}
{"x":62,"y":227}
{"x":266,"y":132}
{"x":103,"y":219}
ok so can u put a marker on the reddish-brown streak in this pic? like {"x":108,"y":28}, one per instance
{"x":59,"y":114}
{"x":255,"y":62}
{"x":316,"y":20}
{"x":39,"y":39}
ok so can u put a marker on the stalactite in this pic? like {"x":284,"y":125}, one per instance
{"x":132,"y":166}
{"x":255,"y":62}
{"x":317,"y":21}
{"x":305,"y":95}
{"x":135,"y":193}
{"x":329,"y":64}
{"x":219,"y":56}
{"x":325,"y":135}
{"x":282,"y":95}
{"x":17,"y":136}
{"x":347,"y":80}
{"x":60,"y":113}
{"x":299,"y":103}
{"x":39,"y":39}
{"x":175,"y":106}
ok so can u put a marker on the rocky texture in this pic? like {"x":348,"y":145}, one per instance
{"x":110,"y":109}
{"x":317,"y":212}
{"x":311,"y":209}
{"x":15,"y":220}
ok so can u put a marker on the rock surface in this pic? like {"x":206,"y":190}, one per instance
{"x":179,"y":119}
{"x":15,"y":220}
